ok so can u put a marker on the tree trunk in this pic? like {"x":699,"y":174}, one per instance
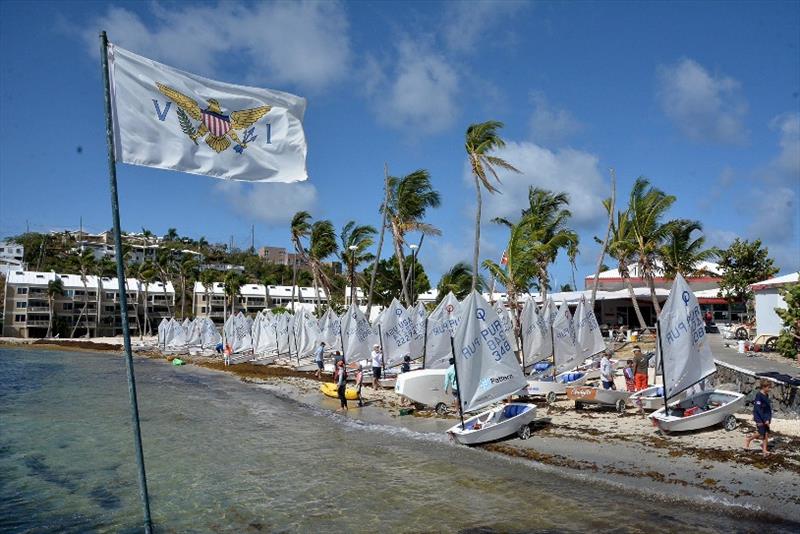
{"x":50,"y":321}
{"x":651,"y":284}
{"x":183,"y":297}
{"x":294,"y":276}
{"x":635,"y":303}
{"x":83,"y":312}
{"x":146,"y":318}
{"x":543,"y":281}
{"x":380,"y":239}
{"x":612,"y":209}
{"x":99,"y":305}
{"x":477,"y":249}
{"x":316,"y":291}
{"x":398,"y":252}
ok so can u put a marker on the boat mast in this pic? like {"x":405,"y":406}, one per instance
{"x":425,"y":343}
{"x":661,"y":354}
{"x":458,"y":384}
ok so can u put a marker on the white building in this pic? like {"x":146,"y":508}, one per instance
{"x":11,"y":257}
{"x":767,"y":298}
{"x":252,"y":298}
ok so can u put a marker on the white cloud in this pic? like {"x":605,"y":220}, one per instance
{"x":788,"y":161}
{"x":467,"y":23}
{"x":303,"y":43}
{"x":703,"y":106}
{"x":419,"y":93}
{"x":716,"y":237}
{"x":572,"y":171}
{"x":550,"y":125}
{"x":275,"y":203}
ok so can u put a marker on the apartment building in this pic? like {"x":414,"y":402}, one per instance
{"x":11,"y":257}
{"x":89,"y":304}
{"x":276,"y":255}
{"x":252,"y":298}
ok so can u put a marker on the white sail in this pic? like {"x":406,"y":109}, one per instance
{"x":282,"y":333}
{"x":507,"y":320}
{"x":306,"y":333}
{"x":587,"y":331}
{"x":537,"y":344}
{"x":565,"y":341}
{"x":442,"y":323}
{"x":330,"y":325}
{"x":229,"y":330}
{"x":486,"y":365}
{"x":686,"y":356}
{"x":162,"y":332}
{"x":549,"y":311}
{"x":242,"y":340}
{"x":176,"y":336}
{"x":195,"y":337}
{"x":267,"y":338}
{"x":397,"y":330}
{"x":255,"y":333}
{"x":419,"y":315}
{"x":211,"y":338}
{"x":357,"y":335}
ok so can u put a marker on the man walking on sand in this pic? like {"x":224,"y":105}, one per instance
{"x":640,"y":364}
{"x":377,"y":366}
{"x":318,"y":358}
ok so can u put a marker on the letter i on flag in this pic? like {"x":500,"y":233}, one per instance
{"x":171,"y":119}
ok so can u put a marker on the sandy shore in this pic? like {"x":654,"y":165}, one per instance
{"x":624,"y":450}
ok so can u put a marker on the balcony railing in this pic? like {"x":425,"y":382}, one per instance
{"x":45,"y":309}
{"x":37,"y":323}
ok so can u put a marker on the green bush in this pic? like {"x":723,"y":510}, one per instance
{"x":789,"y":341}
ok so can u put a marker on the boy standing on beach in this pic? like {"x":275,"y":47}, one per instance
{"x":639,"y":368}
{"x":318,"y":358}
{"x":630,"y":385}
{"x":762,"y":415}
{"x":377,"y":366}
{"x":606,"y":371}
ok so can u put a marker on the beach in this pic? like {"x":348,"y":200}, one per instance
{"x":593,"y":445}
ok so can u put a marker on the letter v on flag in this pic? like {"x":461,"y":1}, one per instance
{"x":171,"y":119}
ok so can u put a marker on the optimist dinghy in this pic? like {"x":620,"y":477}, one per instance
{"x":583,"y":395}
{"x":425,"y":386}
{"x":685,"y":360}
{"x":549,"y":387}
{"x":651,"y":398}
{"x":487,"y":370}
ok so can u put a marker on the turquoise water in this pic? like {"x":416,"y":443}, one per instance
{"x":224,"y":456}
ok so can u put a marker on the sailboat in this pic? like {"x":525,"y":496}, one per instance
{"x":566,"y":356}
{"x":685,"y":359}
{"x":487,"y":371}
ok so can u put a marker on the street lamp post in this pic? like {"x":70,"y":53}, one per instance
{"x":413,"y":273}
{"x":353,"y":249}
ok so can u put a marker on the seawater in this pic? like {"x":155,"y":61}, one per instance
{"x":224,"y":456}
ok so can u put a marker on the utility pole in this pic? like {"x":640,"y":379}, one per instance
{"x":253,"y":238}
{"x":80,"y":233}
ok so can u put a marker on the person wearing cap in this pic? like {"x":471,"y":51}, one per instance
{"x":606,"y":371}
{"x":341,"y":385}
{"x":377,"y":366}
{"x":640,"y":364}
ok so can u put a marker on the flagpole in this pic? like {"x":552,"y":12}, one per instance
{"x":123,"y":297}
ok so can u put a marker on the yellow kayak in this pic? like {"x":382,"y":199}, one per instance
{"x":329,"y":390}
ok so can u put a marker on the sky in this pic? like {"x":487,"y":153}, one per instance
{"x":702,"y":98}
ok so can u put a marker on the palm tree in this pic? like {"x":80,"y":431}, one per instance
{"x":131,"y":271}
{"x":233,"y":282}
{"x":322,"y":244}
{"x":171,"y":235}
{"x":55,"y":288}
{"x":481,"y":139}
{"x":104,"y":268}
{"x":622,"y":248}
{"x":384,"y":213}
{"x":646,"y":206}
{"x":409,"y":198}
{"x":208,"y":278}
{"x":86,"y":264}
{"x":360,"y":237}
{"x":680,"y":253}
{"x":165,"y":265}
{"x":146,"y":275}
{"x":458,"y":280}
{"x":300,"y":229}
{"x":187,"y":272}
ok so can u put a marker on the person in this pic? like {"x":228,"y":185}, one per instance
{"x":627,"y":372}
{"x":341,"y":385}
{"x":337,"y":357}
{"x":359,"y":383}
{"x":406,"y":366}
{"x":762,"y":415}
{"x":319,"y":359}
{"x":640,"y":364}
{"x":606,"y":371}
{"x":218,"y":348}
{"x":227,"y":354}
{"x":450,"y":382}
{"x":377,"y":366}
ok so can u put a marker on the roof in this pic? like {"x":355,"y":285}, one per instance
{"x":429,"y":296}
{"x":359,"y":293}
{"x":74,"y":281}
{"x":259,"y":290}
{"x":778,"y":281}
{"x":633,"y":269}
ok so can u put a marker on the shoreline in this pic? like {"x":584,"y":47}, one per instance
{"x":624,"y":451}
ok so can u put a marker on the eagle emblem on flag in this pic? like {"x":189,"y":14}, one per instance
{"x":218,"y":128}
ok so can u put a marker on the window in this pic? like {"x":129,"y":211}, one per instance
{"x":109,"y":296}
{"x":78,"y":292}
{"x":93,"y":293}
{"x":22,"y":291}
{"x":67,"y":306}
{"x":202,"y":309}
{"x":19,"y":318}
{"x":21,"y":305}
{"x":109,"y":309}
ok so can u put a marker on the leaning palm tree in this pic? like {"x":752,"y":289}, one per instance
{"x":86,"y":264}
{"x":300,"y":229}
{"x":165,"y":265}
{"x":409,"y":198}
{"x":384,"y":214}
{"x":458,"y":280}
{"x":359,"y":236}
{"x":208,"y":278}
{"x":55,"y":288}
{"x":322,"y":244}
{"x":622,"y":247}
{"x":647,"y":206}
{"x":481,"y":140}
{"x":187,"y":272}
{"x":146,"y":275}
{"x":681,"y":253}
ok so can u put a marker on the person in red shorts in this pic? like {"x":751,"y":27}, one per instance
{"x":640,"y":364}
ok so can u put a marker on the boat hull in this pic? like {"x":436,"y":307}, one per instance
{"x":720,"y":404}
{"x":595,"y":395}
{"x":425,"y":386}
{"x":652,"y":398}
{"x":557,"y":386}
{"x":494,"y":424}
{"x":330,"y":390}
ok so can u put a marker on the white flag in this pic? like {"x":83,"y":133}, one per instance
{"x":171,"y":119}
{"x":486,"y":365}
{"x":397,"y":330}
{"x":687,"y":356}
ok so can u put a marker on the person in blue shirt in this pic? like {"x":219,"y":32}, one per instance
{"x":762,"y":415}
{"x":319,"y":359}
{"x":450,"y":382}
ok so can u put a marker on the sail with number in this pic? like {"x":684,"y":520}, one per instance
{"x":685,"y":351}
{"x":486,"y":365}
{"x":537,"y":343}
{"x":397,"y":331}
{"x":442,"y":323}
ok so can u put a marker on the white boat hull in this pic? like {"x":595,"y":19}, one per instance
{"x":597,"y":395}
{"x":495,"y":424}
{"x":652,"y":398}
{"x":716,"y":406}
{"x":557,"y":386}
{"x":425,"y":386}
